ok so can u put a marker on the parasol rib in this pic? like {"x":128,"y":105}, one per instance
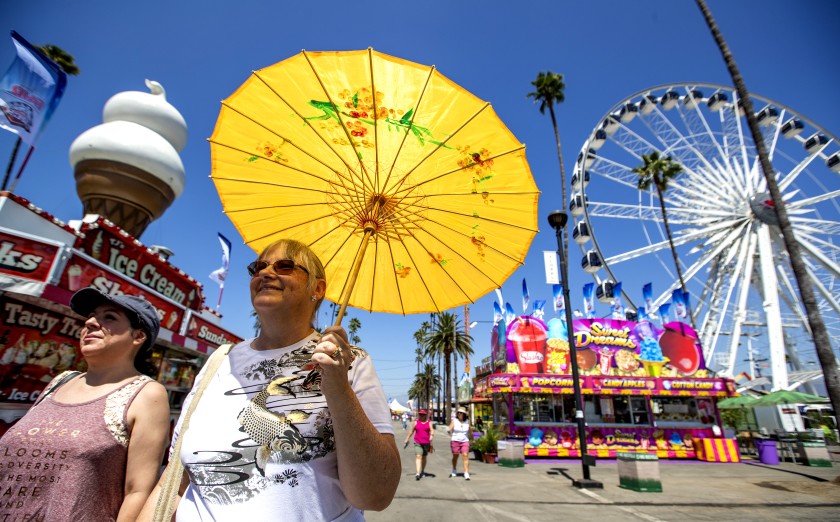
{"x":306,"y":121}
{"x":366,"y":176}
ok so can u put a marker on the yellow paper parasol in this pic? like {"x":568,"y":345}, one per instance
{"x":414,"y":194}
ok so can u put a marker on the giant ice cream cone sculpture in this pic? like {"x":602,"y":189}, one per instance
{"x":128,"y":169}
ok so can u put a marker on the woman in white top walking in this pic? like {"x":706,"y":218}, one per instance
{"x":459,"y":429}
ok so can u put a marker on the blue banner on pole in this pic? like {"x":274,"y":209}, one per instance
{"x":29,"y":91}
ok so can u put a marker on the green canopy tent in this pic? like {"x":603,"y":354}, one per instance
{"x":787,"y":397}
{"x":781,"y":397}
{"x":742,"y":402}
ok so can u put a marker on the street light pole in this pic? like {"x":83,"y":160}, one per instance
{"x":557,"y":220}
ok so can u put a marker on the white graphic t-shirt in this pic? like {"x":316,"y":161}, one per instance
{"x":260,"y":445}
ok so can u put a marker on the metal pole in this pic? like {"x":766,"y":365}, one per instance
{"x":558,"y":222}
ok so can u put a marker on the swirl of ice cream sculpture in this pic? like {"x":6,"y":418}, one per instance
{"x":128,"y":169}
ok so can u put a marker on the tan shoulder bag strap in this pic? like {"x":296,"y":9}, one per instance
{"x":174,"y":471}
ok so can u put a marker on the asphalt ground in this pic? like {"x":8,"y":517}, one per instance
{"x":543,"y":491}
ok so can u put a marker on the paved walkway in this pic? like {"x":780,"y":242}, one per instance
{"x":543,"y":490}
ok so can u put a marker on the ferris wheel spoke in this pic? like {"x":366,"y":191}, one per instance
{"x":675,"y":144}
{"x":614,"y":171}
{"x":814,"y":200}
{"x":816,"y":226}
{"x":818,"y":256}
{"x":831,"y":300}
{"x":787,"y":179}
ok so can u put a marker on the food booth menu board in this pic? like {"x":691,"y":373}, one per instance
{"x":36,"y":344}
{"x":646,"y":387}
{"x":655,"y":415}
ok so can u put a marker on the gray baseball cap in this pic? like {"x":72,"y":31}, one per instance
{"x":86,"y":300}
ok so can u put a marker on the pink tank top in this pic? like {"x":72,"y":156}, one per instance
{"x":66,"y":462}
{"x":423,"y":432}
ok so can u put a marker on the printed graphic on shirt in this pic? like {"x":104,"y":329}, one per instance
{"x":284,"y":425}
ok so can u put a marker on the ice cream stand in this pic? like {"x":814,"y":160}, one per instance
{"x":127,"y":173}
{"x":646,"y":388}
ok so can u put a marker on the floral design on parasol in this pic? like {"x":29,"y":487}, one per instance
{"x":411,"y":190}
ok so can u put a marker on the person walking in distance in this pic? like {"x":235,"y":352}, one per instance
{"x":459,"y":430}
{"x":424,"y":435}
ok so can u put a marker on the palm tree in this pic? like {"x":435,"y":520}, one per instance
{"x":831,"y":372}
{"x":419,"y":337}
{"x":424,"y":383}
{"x":549,"y":91}
{"x":66,"y":62}
{"x":62,"y":58}
{"x":353,"y":326}
{"x":659,"y":172}
{"x":445,"y":339}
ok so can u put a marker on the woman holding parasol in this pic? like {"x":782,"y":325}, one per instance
{"x":271,"y":437}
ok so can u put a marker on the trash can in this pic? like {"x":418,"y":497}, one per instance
{"x":639,"y":472}
{"x":511,"y":453}
{"x":767,"y":452}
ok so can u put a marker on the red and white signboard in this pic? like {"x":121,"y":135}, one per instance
{"x":26,"y":258}
{"x":110,"y":245}
{"x":36,"y":344}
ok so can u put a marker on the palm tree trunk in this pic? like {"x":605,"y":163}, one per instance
{"x":562,"y":174}
{"x":455,"y":378}
{"x":439,"y":391}
{"x":447,"y":397}
{"x":674,"y":252}
{"x":820,"y":335}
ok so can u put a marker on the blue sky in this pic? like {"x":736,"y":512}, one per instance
{"x":607,"y":50}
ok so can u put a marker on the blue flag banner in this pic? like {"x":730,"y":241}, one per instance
{"x":647,"y":295}
{"x":678,"y":300}
{"x":664,"y":310}
{"x":497,"y":312}
{"x":526,"y":297}
{"x":539,"y":308}
{"x":29,"y":91}
{"x":559,"y":302}
{"x":617,"y":307}
{"x":589,"y":300}
{"x":220,"y":274}
{"x":510,"y":315}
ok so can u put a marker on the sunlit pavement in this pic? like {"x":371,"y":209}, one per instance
{"x":543,"y":490}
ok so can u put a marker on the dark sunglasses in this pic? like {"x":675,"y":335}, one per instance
{"x":281,"y":267}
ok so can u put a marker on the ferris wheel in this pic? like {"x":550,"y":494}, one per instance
{"x":730,"y":248}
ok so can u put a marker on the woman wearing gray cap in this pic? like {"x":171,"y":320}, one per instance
{"x":91,"y":446}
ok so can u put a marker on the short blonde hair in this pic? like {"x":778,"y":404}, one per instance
{"x":305,"y":257}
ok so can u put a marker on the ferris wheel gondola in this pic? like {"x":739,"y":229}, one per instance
{"x":720,"y":214}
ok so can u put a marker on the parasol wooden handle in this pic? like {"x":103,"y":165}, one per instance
{"x":354,"y":273}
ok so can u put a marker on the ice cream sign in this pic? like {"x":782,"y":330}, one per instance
{"x":124,"y":254}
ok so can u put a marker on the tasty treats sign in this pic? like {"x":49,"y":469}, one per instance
{"x":604,"y":347}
